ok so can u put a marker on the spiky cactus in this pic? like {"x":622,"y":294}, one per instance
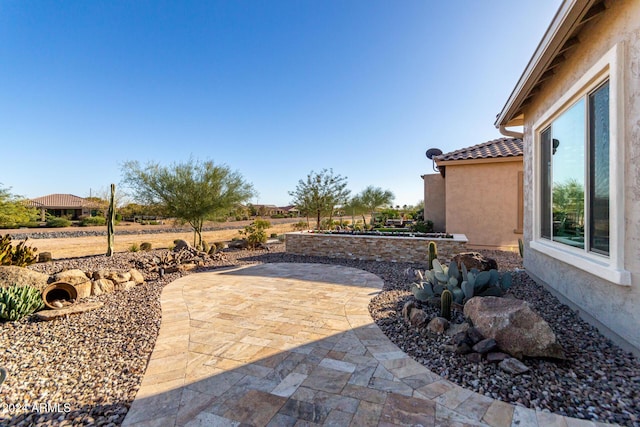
{"x":111,"y":219}
{"x":19,"y":301}
{"x":446,"y":299}
{"x":521,"y":248}
{"x":433,"y":253}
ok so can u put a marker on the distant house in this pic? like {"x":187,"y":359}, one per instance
{"x":62,"y":205}
{"x":271,"y":210}
{"x":478,"y":192}
{"x":290,"y":210}
{"x":578,"y":101}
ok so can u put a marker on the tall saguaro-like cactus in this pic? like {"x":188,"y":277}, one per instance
{"x":111,"y":219}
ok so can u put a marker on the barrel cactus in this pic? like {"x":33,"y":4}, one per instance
{"x":445,"y":304}
{"x":17,"y":302}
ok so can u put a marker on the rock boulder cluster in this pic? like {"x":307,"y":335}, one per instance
{"x":496,"y":330}
{"x":86,"y":284}
{"x":99,"y":282}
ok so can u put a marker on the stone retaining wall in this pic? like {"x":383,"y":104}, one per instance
{"x":376,"y":248}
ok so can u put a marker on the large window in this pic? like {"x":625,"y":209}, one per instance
{"x":578,"y":185}
{"x":574,"y":178}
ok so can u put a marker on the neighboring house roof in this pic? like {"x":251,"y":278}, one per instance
{"x":497,"y":148}
{"x":558,"y":40}
{"x":59,"y":201}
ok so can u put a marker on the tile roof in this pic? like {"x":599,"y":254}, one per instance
{"x":59,"y":201}
{"x":501,"y":147}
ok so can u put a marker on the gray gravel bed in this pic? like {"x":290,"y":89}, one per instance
{"x":94,"y":362}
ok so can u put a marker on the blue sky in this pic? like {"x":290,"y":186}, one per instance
{"x":273,"y":89}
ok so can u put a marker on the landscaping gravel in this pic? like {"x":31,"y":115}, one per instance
{"x":87,"y":368}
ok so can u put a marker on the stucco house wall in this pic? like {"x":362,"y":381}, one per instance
{"x":482,"y":202}
{"x":615,"y":308}
{"x":434,"y":201}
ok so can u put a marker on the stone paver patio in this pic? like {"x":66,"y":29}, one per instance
{"x":294,"y":344}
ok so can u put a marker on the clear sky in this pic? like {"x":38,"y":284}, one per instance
{"x":273,"y":89}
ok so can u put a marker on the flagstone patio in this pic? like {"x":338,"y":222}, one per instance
{"x":293,"y":344}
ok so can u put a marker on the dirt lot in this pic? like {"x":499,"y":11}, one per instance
{"x":71,"y":247}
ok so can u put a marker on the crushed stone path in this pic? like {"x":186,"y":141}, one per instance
{"x":289,"y":344}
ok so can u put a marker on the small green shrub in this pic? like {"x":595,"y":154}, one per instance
{"x":145,"y":246}
{"x":276,"y":216}
{"x":273,"y":236}
{"x":92,"y":221}
{"x":17,"y":302}
{"x":300,"y":225}
{"x":134,"y":248}
{"x":58,"y":222}
{"x":31,"y":224}
{"x":422,"y":226}
{"x":255,"y":233}
{"x":219,"y":245}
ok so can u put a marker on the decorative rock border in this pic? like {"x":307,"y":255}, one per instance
{"x":371,"y":248}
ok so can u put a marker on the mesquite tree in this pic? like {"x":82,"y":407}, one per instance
{"x":374,"y":197}
{"x":320,"y":193}
{"x":191,"y":192}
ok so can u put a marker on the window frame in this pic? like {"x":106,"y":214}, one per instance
{"x":611,"y":267}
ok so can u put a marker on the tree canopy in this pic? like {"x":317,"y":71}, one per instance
{"x":320,"y":194}
{"x":13,"y":210}
{"x":373,"y":198}
{"x":192,"y":192}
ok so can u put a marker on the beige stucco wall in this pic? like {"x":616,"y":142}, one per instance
{"x":482,"y":202}
{"x":434,"y":201}
{"x":616,"y":308}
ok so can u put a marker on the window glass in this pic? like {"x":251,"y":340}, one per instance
{"x":599,"y":169}
{"x":574,"y":175}
{"x":545,"y":184}
{"x":567,"y":149}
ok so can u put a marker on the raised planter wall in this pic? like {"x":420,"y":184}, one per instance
{"x":375,"y":248}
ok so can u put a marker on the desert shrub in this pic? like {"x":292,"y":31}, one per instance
{"x":134,"y":247}
{"x":255,"y":233}
{"x":219,"y":245}
{"x":300,"y":225}
{"x":422,"y":226}
{"x":273,"y":235}
{"x":30,"y":224}
{"x":92,"y":220}
{"x":17,"y":302}
{"x":145,"y":246}
{"x":54,"y":222}
{"x":276,"y":216}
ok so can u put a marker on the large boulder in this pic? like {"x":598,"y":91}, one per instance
{"x":475,"y":260}
{"x":136,"y":276}
{"x":12,"y":275}
{"x":73,"y":277}
{"x":517,"y":329}
{"x":102,"y":286}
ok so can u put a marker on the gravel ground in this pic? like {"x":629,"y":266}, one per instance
{"x":86,"y":369}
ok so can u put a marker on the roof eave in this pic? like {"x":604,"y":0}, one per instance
{"x":566,"y":20}
{"x":505,"y":159}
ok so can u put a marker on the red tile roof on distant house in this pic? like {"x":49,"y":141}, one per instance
{"x":502,"y":147}
{"x":60,"y":201}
